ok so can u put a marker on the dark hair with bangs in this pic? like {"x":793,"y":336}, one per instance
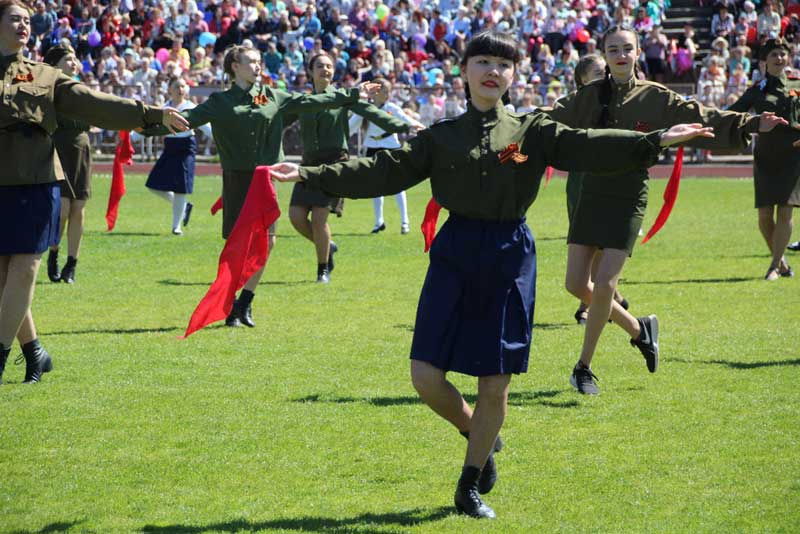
{"x":492,"y":43}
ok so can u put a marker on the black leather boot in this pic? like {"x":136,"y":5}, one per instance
{"x":232,"y":319}
{"x":4,"y":352}
{"x":68,"y":272}
{"x":52,"y":266}
{"x":467,"y":498}
{"x":488,"y":476}
{"x":37,"y":361}
{"x":245,"y":308}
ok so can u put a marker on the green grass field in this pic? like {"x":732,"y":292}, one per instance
{"x":309,"y":423}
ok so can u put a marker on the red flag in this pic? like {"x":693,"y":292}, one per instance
{"x":670,"y":196}
{"x":122,"y":156}
{"x":548,"y":175}
{"x":428,"y":225}
{"x":217,"y":206}
{"x":244,"y":253}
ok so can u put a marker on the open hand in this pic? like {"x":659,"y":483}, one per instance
{"x":369,"y":89}
{"x":681,"y":133}
{"x":174,"y":121}
{"x":768,"y":120}
{"x":285,"y":172}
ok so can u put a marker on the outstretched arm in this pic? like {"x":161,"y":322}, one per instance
{"x":386,"y":173}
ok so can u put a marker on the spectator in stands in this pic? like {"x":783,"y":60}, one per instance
{"x":655,"y":51}
{"x":769,"y":22}
{"x":643,"y":24}
{"x":600,"y":21}
{"x":723,"y":24}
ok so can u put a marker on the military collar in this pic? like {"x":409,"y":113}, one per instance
{"x":486,"y":118}
{"x":779,"y":80}
{"x":328,"y":89}
{"x":6,"y":61}
{"x":238,"y":92}
{"x":625,"y":86}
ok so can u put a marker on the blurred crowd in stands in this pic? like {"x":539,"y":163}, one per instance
{"x":133,"y":47}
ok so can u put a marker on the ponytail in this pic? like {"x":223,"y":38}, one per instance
{"x":605,"y":99}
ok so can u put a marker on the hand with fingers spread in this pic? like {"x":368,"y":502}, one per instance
{"x":369,"y":89}
{"x":768,"y":120}
{"x":681,"y":133}
{"x":174,"y":121}
{"x":285,"y":172}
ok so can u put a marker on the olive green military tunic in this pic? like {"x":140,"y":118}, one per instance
{"x":610,"y":210}
{"x":31,"y":97}
{"x":776,"y":163}
{"x":468,"y":177}
{"x":248,"y":130}
{"x":325,"y":135}
{"x":75,"y":154}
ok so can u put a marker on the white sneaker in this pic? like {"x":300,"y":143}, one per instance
{"x":404,"y":229}
{"x":177,"y":231}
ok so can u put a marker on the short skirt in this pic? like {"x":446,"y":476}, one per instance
{"x":30,"y":216}
{"x":609,"y":211}
{"x":776,"y":171}
{"x":475,"y":313}
{"x":574,"y":181}
{"x":302,"y":195}
{"x":174,"y":170}
{"x":75,"y":155}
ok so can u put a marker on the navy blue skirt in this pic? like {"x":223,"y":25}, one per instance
{"x":475,"y":313}
{"x":29,"y":218}
{"x":174,"y":170}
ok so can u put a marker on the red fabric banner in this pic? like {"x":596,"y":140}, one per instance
{"x":548,"y":175}
{"x":217,"y":206}
{"x":245,"y":252}
{"x":428,"y":225}
{"x":122,"y":156}
{"x":670,"y":196}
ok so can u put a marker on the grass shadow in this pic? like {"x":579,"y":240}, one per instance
{"x":367,"y":523}
{"x":742,"y":365}
{"x":154,"y":330}
{"x":552,"y":326}
{"x":515,"y":398}
{"x":62,"y":526}
{"x":173,"y":282}
{"x":127,"y":234}
{"x":731,"y":280}
{"x":538,"y":239}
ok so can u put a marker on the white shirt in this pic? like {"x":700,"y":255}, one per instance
{"x":206,"y":128}
{"x":374,"y":136}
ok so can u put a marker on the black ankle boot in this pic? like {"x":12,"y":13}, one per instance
{"x":467,"y":498}
{"x":68,"y":272}
{"x":4,"y":352}
{"x":245,"y":308}
{"x":37,"y":361}
{"x":488,"y":477}
{"x":232,"y":319}
{"x":52,"y":266}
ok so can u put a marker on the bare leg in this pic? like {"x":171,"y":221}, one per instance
{"x":17,"y":293}
{"x":781,"y":236}
{"x":27,"y":330}
{"x":766,"y":224}
{"x":441,"y":396}
{"x":602,"y":298}
{"x":322,"y":233}
{"x":298,"y":216}
{"x":490,"y":412}
{"x":76,"y":218}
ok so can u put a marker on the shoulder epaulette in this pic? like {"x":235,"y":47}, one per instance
{"x":444,"y":120}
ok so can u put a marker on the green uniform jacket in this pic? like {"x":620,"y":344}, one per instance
{"x":776,"y":165}
{"x":31,"y":97}
{"x":326,"y":132}
{"x":462,"y":158}
{"x":248,"y":125}
{"x":644,"y":106}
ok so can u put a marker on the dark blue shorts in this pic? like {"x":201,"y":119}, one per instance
{"x":475,"y":313}
{"x":29,"y":218}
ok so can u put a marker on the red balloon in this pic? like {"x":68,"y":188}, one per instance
{"x":583,"y":36}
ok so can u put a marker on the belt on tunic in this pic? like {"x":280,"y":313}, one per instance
{"x":27,"y":129}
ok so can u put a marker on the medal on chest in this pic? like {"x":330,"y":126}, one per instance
{"x":512,"y":153}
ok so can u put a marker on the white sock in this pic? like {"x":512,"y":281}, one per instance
{"x":377,"y":208}
{"x":178,"y":207}
{"x":402,"y":206}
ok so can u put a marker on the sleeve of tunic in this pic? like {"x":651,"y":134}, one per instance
{"x":387,"y":173}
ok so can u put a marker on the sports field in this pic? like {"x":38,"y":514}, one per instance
{"x":309,"y":423}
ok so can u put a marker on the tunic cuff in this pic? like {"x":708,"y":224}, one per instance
{"x":151,"y":116}
{"x":654,"y":139}
{"x":752,"y":124}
